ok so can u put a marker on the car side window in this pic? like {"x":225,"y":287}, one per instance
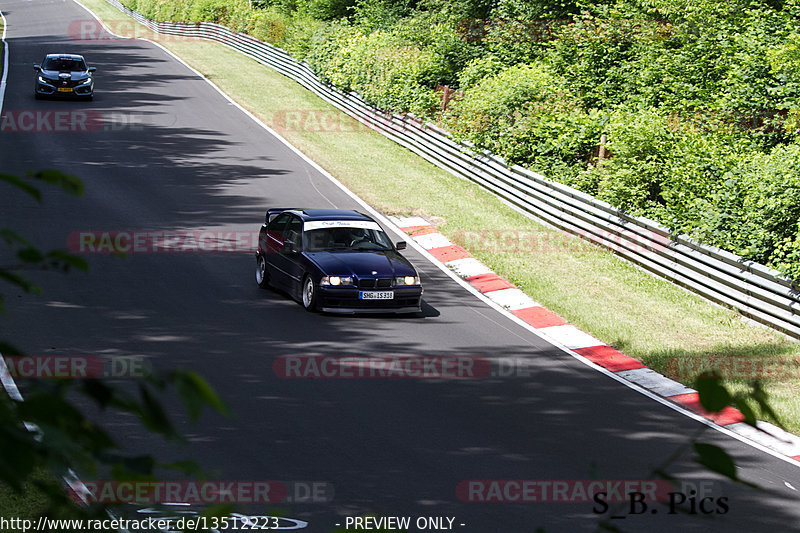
{"x":277,"y":225}
{"x":294,"y":230}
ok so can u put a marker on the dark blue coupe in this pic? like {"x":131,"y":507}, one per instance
{"x":335,"y":260}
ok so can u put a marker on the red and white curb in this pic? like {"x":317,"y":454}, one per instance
{"x":553,"y":327}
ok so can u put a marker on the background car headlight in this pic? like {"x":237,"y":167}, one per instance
{"x":402,"y":281}
{"x":336,"y":280}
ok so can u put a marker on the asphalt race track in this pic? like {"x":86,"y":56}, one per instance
{"x":171,"y":153}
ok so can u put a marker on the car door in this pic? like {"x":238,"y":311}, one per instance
{"x":273,"y":246}
{"x":290,"y":256}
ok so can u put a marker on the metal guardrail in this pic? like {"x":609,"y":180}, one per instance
{"x":754,"y":290}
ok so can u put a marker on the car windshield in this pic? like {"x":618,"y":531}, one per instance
{"x":64,"y":64}
{"x":346,"y":239}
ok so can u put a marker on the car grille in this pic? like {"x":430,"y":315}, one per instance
{"x":375,"y":283}
{"x":69,"y":83}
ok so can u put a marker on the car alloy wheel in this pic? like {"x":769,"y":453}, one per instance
{"x":261,"y":272}
{"x":309,"y":294}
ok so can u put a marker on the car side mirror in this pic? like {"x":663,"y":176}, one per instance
{"x":401,"y":245}
{"x":289,"y":247}
{"x":92,"y":69}
{"x":37,"y":68}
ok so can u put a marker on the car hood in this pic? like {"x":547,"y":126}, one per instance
{"x":362,"y":264}
{"x":55,"y":74}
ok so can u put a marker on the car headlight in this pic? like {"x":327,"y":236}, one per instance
{"x":87,"y":81}
{"x":335,"y":281}
{"x":402,"y":281}
{"x":44,"y":80}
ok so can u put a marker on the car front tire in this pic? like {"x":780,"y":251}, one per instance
{"x":262,"y":276}
{"x":309,"y":294}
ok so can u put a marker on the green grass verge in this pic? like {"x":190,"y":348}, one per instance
{"x":647,"y":318}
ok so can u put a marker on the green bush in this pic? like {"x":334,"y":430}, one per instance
{"x":210,"y":11}
{"x":700,"y":191}
{"x":599,"y":57}
{"x":456,"y":10}
{"x":267,"y":26}
{"x":669,"y":167}
{"x":633,"y":179}
{"x":372,"y":15}
{"x":772,"y":208}
{"x":389,"y":75}
{"x":301,"y":33}
{"x":324,"y":9}
{"x":520,"y":32}
{"x":478,"y":69}
{"x":325,"y":44}
{"x":428,"y":33}
{"x":495,"y":103}
{"x":706,"y":183}
{"x":524,"y":115}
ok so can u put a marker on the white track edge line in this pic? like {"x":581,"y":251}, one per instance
{"x":4,"y":78}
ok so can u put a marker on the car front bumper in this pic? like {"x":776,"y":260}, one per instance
{"x":345,"y":300}
{"x":45,"y":89}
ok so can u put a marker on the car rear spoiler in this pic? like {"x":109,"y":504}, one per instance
{"x":275,"y":210}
